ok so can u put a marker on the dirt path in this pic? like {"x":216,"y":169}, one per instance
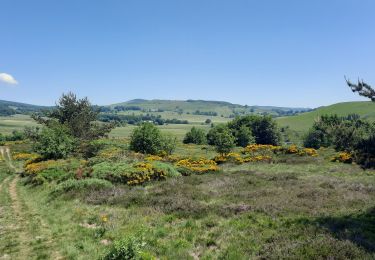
{"x":24,"y":217}
{"x":5,"y":153}
{"x":24,"y":237}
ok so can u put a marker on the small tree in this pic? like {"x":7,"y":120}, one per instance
{"x":244,"y":136}
{"x":365,"y":148}
{"x":148,"y":139}
{"x":224,"y":142}
{"x":73,"y":121}
{"x":214,"y":131}
{"x":195,"y":136}
{"x":168,"y":144}
{"x":78,"y":116}
{"x":263,"y":128}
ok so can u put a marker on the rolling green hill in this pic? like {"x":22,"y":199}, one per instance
{"x":304,"y":121}
{"x":8,"y":108}
{"x":222,"y":108}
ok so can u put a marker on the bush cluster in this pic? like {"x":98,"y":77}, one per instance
{"x":195,"y":136}
{"x":347,"y":134}
{"x":148,"y":139}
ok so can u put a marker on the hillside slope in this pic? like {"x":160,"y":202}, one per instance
{"x":304,"y":121}
{"x":8,"y":108}
{"x":191,"y":106}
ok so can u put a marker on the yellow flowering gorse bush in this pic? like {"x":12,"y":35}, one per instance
{"x":24,"y":156}
{"x":343,"y":157}
{"x":144,"y":172}
{"x":201,"y":165}
{"x":110,"y":153}
{"x":34,"y":168}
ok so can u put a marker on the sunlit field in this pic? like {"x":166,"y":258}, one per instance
{"x":294,"y":207}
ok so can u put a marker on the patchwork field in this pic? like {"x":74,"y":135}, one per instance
{"x":16,"y":122}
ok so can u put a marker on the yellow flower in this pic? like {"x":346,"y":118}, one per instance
{"x":104,"y":218}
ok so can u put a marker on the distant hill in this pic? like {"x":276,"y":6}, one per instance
{"x":304,"y":121}
{"x":203,"y":107}
{"x":8,"y":108}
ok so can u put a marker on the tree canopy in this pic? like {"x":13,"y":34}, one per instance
{"x":362,"y":88}
{"x":78,"y":116}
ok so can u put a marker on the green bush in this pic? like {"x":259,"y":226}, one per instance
{"x":53,"y":174}
{"x":90,"y":149}
{"x":244,"y":136}
{"x":221,"y":137}
{"x":365,"y":152}
{"x":147,"y":139}
{"x":214,"y":132}
{"x":224,"y":142}
{"x":168,"y":145}
{"x":195,"y":136}
{"x":15,"y":136}
{"x":54,"y":143}
{"x":315,"y":138}
{"x":114,"y":172}
{"x":169,"y":169}
{"x":126,"y":249}
{"x":263,"y":128}
{"x":343,"y":133}
{"x":84,"y":184}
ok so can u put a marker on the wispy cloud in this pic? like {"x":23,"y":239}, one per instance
{"x":7,"y":78}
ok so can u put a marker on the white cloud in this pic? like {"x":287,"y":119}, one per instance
{"x":7,"y":78}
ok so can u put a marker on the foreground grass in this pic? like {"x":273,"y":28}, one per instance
{"x":300,"y":208}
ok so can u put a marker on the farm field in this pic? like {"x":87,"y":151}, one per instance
{"x":16,"y":122}
{"x":299,"y":207}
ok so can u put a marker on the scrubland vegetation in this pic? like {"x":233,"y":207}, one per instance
{"x":235,"y":189}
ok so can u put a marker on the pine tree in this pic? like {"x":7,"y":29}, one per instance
{"x":362,"y":88}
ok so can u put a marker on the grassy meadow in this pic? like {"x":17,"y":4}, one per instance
{"x":16,"y":122}
{"x":279,"y":204}
{"x":302,"y":122}
{"x":293,"y":208}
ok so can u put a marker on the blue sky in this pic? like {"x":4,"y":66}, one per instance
{"x":284,"y":53}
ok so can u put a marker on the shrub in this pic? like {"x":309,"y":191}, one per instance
{"x":343,"y":157}
{"x":214,"y":131}
{"x":132,"y":174}
{"x":263,"y":128}
{"x":315,"y":138}
{"x":51,"y":170}
{"x":54,"y":143}
{"x":343,"y":133}
{"x":126,"y":249}
{"x":15,"y":136}
{"x":188,"y":166}
{"x":24,"y":156}
{"x":224,"y":142}
{"x":244,"y":136}
{"x":195,"y":136}
{"x":170,"y":170}
{"x":168,"y":145}
{"x":114,"y":172}
{"x":90,"y":149}
{"x":148,"y":139}
{"x":365,"y":152}
{"x":84,"y":184}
